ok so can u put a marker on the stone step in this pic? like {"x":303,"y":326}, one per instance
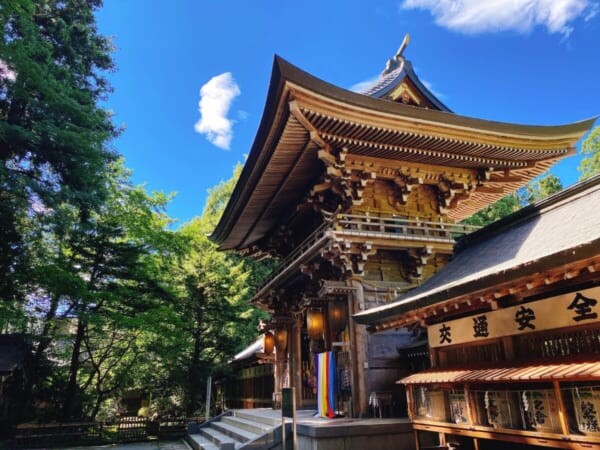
{"x":199,"y":442}
{"x":220,"y":439}
{"x":239,"y":434}
{"x":248,"y":425}
{"x":257,"y":417}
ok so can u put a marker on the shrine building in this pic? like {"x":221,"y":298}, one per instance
{"x":513,"y":326}
{"x":359,"y":198}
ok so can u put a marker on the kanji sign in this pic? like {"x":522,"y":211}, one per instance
{"x":574,"y":308}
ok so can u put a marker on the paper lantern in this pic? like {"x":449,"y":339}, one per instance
{"x":314,"y":323}
{"x":268,"y":343}
{"x":281,"y":339}
{"x":336,"y":314}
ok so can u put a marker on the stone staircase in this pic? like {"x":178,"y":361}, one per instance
{"x":239,"y":429}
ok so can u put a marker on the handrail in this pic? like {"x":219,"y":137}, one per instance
{"x":385,"y":227}
{"x":308,"y":242}
{"x":364,"y":222}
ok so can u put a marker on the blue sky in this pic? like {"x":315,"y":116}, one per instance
{"x":522,"y":61}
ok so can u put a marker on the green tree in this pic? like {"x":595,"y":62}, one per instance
{"x":98,"y":276}
{"x":53,"y":135}
{"x":535,"y":190}
{"x":542,"y":187}
{"x":115,"y":254}
{"x":590,"y":164}
{"x":503,"y":207}
{"x":214,"y":291}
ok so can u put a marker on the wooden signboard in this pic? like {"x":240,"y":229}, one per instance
{"x":574,"y":308}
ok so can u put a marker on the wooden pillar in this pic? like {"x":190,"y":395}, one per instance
{"x":277,"y":377}
{"x":470,"y":413}
{"x":410,"y":399}
{"x":470,"y":403}
{"x":562,"y":412}
{"x":296,"y":358}
{"x":358,"y":354}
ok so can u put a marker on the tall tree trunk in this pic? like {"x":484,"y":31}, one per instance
{"x":45,"y":340}
{"x":194,"y":388}
{"x":72,"y":393}
{"x":97,"y":405}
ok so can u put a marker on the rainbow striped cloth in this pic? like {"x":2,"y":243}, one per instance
{"x":326,"y":383}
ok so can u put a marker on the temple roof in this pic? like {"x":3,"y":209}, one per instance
{"x":303,"y":114}
{"x":397,"y":78}
{"x":555,"y":232}
{"x":391,"y":79}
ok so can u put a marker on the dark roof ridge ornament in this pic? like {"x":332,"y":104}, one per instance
{"x":398,"y":59}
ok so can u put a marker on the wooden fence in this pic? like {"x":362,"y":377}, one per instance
{"x":132,"y":428}
{"x":128,"y":429}
{"x":58,"y":434}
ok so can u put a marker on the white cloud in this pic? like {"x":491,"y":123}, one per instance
{"x":479,"y":16}
{"x":592,"y":11}
{"x":215,"y":99}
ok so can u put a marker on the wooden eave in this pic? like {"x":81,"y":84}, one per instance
{"x":303,"y":114}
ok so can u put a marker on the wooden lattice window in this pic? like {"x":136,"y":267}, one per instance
{"x":468,"y":354}
{"x":557,"y":344}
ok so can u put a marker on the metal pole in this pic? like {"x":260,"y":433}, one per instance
{"x":208,"y":393}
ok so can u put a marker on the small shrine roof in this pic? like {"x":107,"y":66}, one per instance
{"x":254,"y":352}
{"x":573,"y":369}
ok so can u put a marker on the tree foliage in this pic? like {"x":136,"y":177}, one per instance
{"x":502,"y":208}
{"x":214,"y":291}
{"x":110,"y":296}
{"x":541,"y":188}
{"x":590,"y":148}
{"x":53,"y":135}
{"x":534,"y":191}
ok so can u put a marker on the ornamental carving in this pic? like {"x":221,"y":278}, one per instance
{"x":349,"y":257}
{"x":346,"y":184}
{"x":418,"y":259}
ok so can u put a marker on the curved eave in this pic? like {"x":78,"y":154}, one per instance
{"x":412,"y":76}
{"x":290,"y":83}
{"x":256,"y":162}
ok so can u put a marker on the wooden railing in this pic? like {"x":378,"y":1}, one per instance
{"x":309,"y":244}
{"x":365,"y":225}
{"x":399,"y":228}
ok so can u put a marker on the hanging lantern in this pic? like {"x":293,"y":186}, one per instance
{"x":281,"y":339}
{"x":314,"y":323}
{"x":336,"y":314}
{"x":268,"y":343}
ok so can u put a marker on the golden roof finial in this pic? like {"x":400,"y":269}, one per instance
{"x":405,"y":42}
{"x":397,"y":59}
